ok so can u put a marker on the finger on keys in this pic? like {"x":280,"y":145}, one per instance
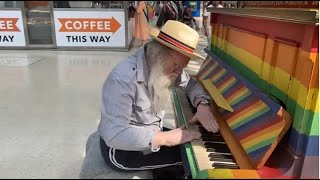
{"x":193,"y":120}
{"x":195,"y":135}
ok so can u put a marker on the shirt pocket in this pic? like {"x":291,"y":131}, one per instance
{"x":142,"y":106}
{"x":142,"y":112}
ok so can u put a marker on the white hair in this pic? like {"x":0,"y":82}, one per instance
{"x":159,"y":84}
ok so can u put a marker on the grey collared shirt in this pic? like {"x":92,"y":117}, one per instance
{"x":127,"y":122}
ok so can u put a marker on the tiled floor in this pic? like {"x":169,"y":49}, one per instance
{"x":49,"y":104}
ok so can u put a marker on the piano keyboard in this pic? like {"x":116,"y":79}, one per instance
{"x":210,"y":151}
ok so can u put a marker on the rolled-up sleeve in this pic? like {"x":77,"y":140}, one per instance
{"x":194,"y":89}
{"x":114,"y":127}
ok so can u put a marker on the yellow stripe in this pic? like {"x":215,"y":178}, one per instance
{"x":271,"y":128}
{"x":205,"y":63}
{"x":242,"y":93}
{"x":226,"y":84}
{"x":218,"y":75}
{"x":209,"y":70}
{"x":281,"y":79}
{"x":258,"y":106}
{"x":266,"y":72}
{"x":220,"y":174}
{"x":245,"y":174}
{"x":313,"y":100}
{"x":263,"y":137}
{"x":305,"y":98}
{"x":313,"y":57}
{"x":247,"y":59}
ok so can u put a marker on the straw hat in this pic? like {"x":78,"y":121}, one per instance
{"x":179,"y":37}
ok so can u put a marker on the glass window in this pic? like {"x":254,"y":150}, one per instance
{"x":88,"y":4}
{"x":10,"y":4}
{"x":38,"y":22}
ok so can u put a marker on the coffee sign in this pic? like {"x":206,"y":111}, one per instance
{"x":90,"y":28}
{"x":11,"y":28}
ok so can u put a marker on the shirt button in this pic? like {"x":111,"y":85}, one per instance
{"x":134,"y":68}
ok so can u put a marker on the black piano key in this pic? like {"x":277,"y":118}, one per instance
{"x":222,"y":156}
{"x":227,"y":160}
{"x":212,"y":138}
{"x":217,"y":145}
{"x":218,"y":150}
{"x":225,"y":166}
{"x":203,"y":131}
{"x":218,"y":153}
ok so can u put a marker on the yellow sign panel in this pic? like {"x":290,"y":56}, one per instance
{"x":216,"y":95}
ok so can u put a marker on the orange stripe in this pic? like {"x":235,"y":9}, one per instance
{"x":252,"y":44}
{"x":237,"y":92}
{"x":238,"y":115}
{"x":176,"y":43}
{"x":269,"y":129}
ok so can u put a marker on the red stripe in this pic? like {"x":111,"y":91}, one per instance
{"x":314,"y":50}
{"x":267,"y":122}
{"x":294,"y":31}
{"x":176,"y":43}
{"x":243,"y":106}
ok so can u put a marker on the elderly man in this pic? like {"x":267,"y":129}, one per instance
{"x":134,"y":96}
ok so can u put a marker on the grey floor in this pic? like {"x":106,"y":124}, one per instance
{"x":49,"y":105}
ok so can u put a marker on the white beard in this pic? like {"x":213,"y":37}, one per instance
{"x":159,"y":86}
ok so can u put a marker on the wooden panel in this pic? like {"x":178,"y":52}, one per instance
{"x":285,"y":61}
{"x":234,"y":145}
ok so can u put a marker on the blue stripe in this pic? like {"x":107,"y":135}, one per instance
{"x":210,"y":63}
{"x":222,"y":78}
{"x":255,"y":123}
{"x":257,"y":155}
{"x":304,"y":145}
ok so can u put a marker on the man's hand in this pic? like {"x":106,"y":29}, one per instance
{"x":174,"y":137}
{"x":205,"y":117}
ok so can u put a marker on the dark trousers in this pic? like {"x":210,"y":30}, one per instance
{"x":165,"y":163}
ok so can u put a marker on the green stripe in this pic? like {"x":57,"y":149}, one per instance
{"x":259,"y":113}
{"x":306,"y":121}
{"x":206,"y":74}
{"x":297,"y":113}
{"x":315,"y":125}
{"x":202,"y":175}
{"x":220,"y":76}
{"x":206,"y":70}
{"x":241,"y":98}
{"x":228,"y":86}
{"x":182,"y":121}
{"x":260,"y":145}
{"x":311,"y":126}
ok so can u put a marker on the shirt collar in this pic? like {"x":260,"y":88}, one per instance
{"x":142,"y":68}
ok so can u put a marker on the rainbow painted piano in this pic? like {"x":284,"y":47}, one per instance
{"x":262,"y":74}
{"x":249,"y":131}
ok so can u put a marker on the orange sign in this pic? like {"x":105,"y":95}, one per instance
{"x":9,"y":24}
{"x":89,"y":25}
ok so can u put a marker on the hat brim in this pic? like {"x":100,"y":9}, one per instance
{"x":155,"y":32}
